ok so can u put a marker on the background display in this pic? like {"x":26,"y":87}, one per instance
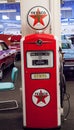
{"x":10,"y":22}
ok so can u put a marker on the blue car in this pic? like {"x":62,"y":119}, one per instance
{"x":68,"y":51}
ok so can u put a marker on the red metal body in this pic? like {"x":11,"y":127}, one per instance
{"x":39,"y":93}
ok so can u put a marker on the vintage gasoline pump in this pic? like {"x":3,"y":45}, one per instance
{"x":40,"y":74}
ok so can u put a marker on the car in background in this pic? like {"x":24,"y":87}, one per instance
{"x":7,"y":57}
{"x":15,"y":44}
{"x":68,"y":52}
{"x":12,"y":30}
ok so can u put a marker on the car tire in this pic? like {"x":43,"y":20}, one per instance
{"x":13,"y":64}
{"x":1,"y":74}
{"x":18,"y":57}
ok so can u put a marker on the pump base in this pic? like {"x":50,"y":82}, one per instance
{"x":28,"y":128}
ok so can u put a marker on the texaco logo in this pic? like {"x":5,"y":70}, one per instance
{"x":41,"y":97}
{"x":38,"y":18}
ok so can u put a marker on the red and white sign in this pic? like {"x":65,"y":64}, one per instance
{"x":38,"y":18}
{"x":41,"y":97}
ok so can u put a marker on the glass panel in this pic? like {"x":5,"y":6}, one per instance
{"x":39,"y":59}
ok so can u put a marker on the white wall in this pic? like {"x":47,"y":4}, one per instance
{"x":55,"y":18}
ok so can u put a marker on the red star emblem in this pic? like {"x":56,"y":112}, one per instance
{"x":38,"y":17}
{"x":41,"y":97}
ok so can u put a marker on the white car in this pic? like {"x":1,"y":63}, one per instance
{"x":12,"y":30}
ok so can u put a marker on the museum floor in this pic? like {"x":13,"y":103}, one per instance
{"x":13,"y":119}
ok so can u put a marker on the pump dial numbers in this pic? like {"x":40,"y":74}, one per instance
{"x":40,"y":76}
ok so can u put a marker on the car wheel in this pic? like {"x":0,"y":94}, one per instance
{"x":17,"y":58}
{"x":13,"y":64}
{"x":1,"y":73}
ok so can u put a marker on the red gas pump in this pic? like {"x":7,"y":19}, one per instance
{"x":40,"y":80}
